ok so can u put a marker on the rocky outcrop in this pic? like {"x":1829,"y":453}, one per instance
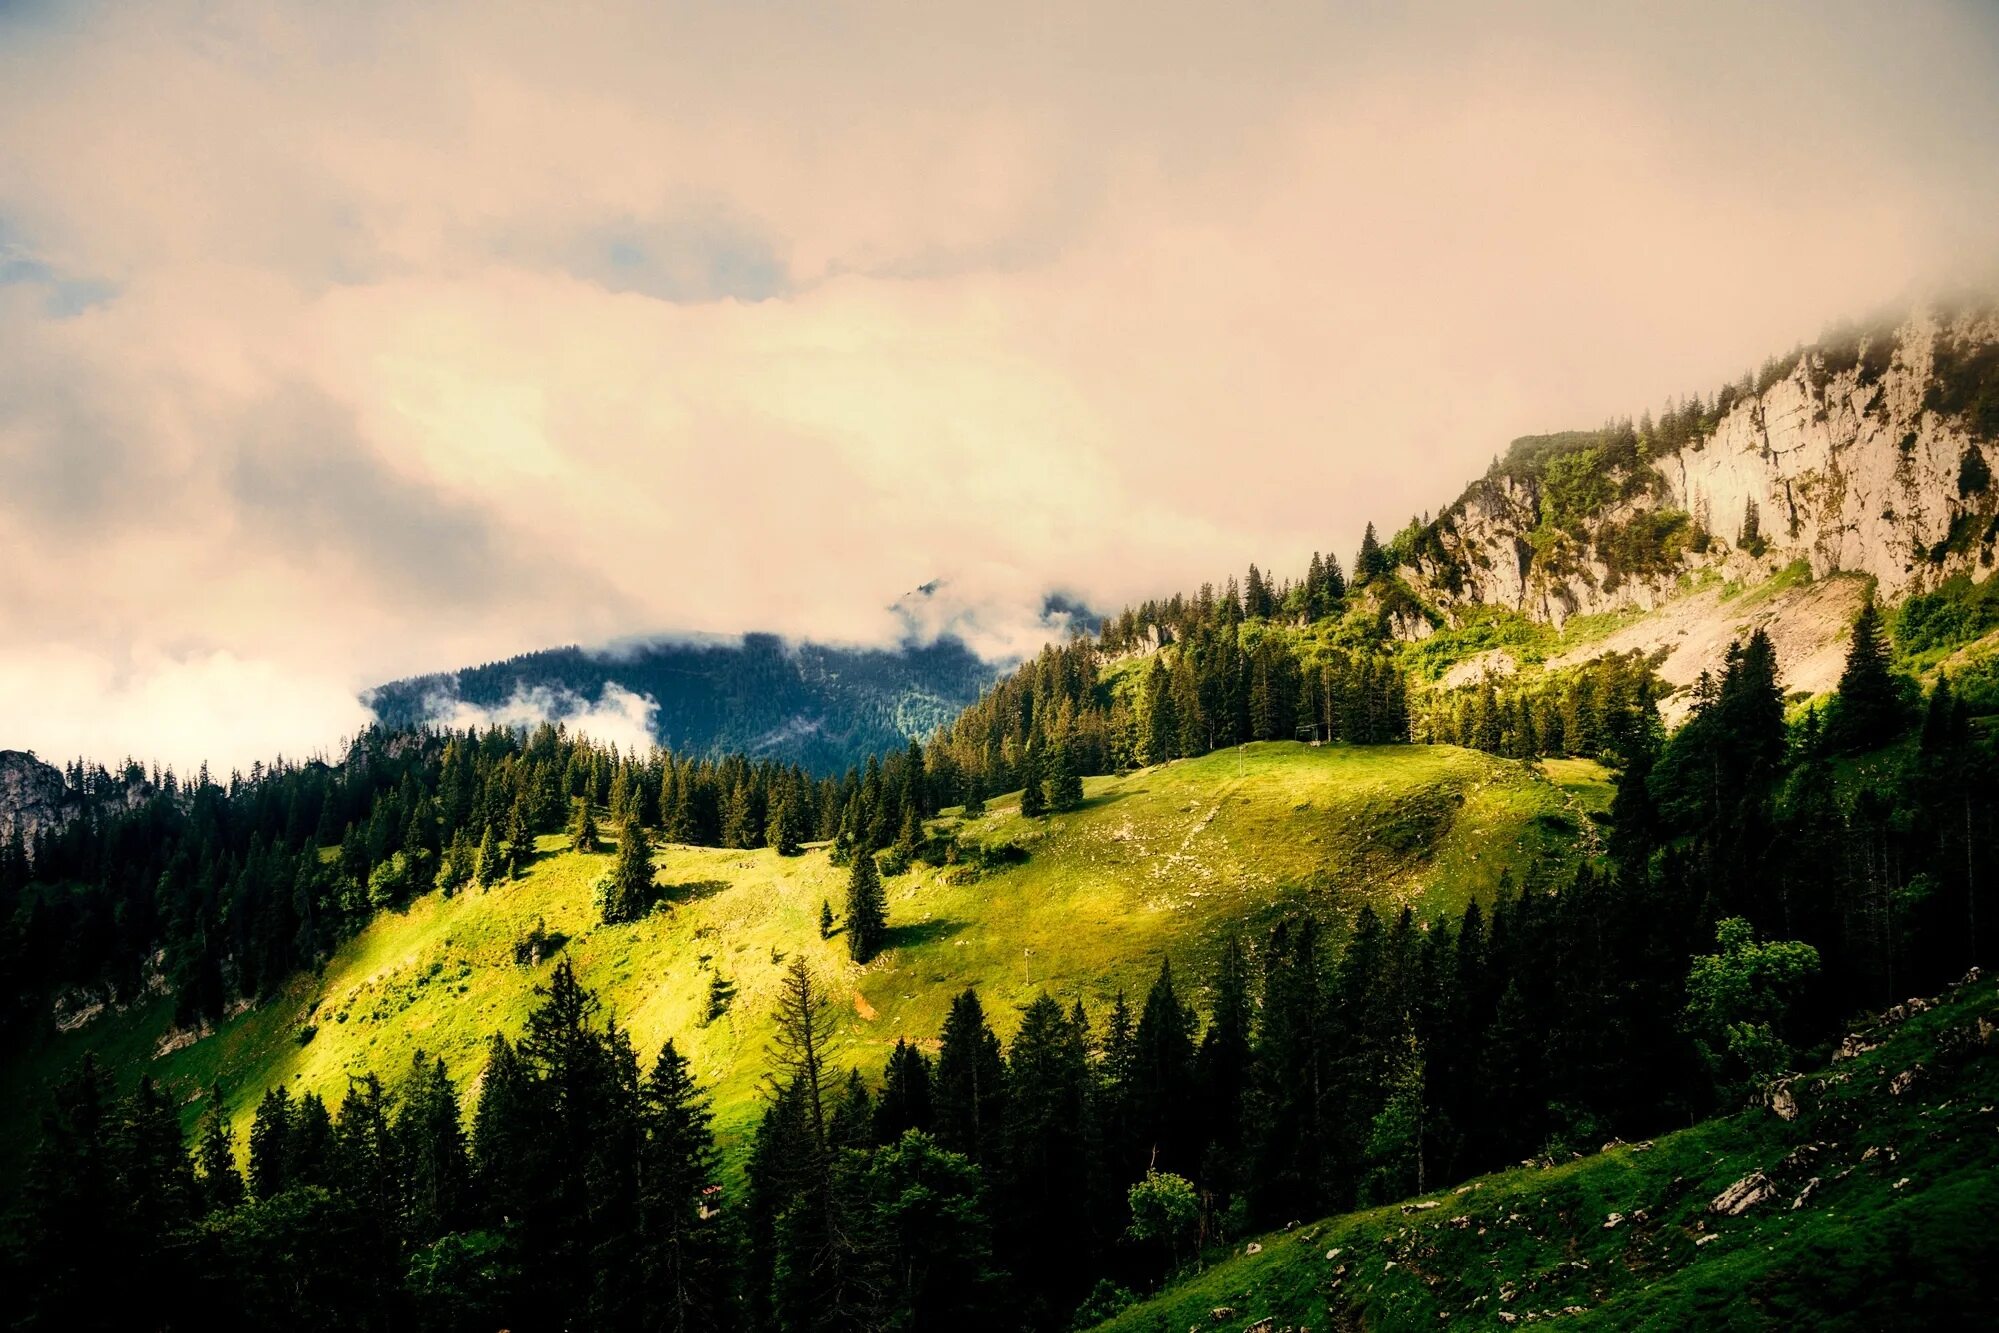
{"x":1852,"y":462}
{"x":34,"y":799}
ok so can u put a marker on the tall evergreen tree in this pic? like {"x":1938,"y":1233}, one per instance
{"x":969,"y":1091}
{"x":867,"y":909}
{"x":215,"y":1152}
{"x":1868,"y":710}
{"x":684,"y":1265}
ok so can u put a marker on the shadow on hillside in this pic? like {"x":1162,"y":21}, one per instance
{"x":1102,"y":799}
{"x":693,"y":890}
{"x":921,"y":932}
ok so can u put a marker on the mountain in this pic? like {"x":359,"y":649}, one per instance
{"x":1861,"y":461}
{"x":824,"y":706}
{"x":1517,"y":889}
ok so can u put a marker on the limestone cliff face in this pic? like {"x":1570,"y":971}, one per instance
{"x":1852,"y":464}
{"x":33,"y":798}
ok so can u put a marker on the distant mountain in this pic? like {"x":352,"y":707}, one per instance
{"x":819,"y":705}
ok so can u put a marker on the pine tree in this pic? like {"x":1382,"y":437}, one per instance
{"x":969,"y":1091}
{"x":431,"y":1151}
{"x":628,"y":891}
{"x":1164,"y":1075}
{"x":270,"y":1144}
{"x":684,"y":1260}
{"x":1065,"y":788}
{"x":583,"y":835}
{"x":215,"y":1151}
{"x":867,"y":909}
{"x":1047,"y":1169}
{"x":1161,"y":727}
{"x":1033,"y":797}
{"x":904,"y":1103}
{"x":825,"y":919}
{"x":1868,"y":710}
{"x":492,"y":865}
{"x":1372,"y":560}
{"x":520,"y":839}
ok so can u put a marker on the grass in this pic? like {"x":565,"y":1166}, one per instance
{"x":1163,"y":861}
{"x":1895,"y":1233}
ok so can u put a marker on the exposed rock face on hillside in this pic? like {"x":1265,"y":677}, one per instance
{"x":33,"y":798}
{"x":1852,"y":465}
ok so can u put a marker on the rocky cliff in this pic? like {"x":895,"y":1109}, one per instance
{"x":33,"y":798}
{"x":1867,"y":454}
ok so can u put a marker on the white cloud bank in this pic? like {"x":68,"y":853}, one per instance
{"x":619,"y":717}
{"x":433,"y":334}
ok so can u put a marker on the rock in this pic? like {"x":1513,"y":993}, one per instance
{"x":34,"y":799}
{"x":1804,"y":1194}
{"x":1900,"y":1183}
{"x":1221,"y":1312}
{"x":1851,"y":1047}
{"x":1743,"y":1195}
{"x":1610,"y":1223}
{"x":1902,"y":1081}
{"x":1782,"y":1102}
{"x":1702,"y":1240}
{"x":1254,"y":1248}
{"x":1423,"y":1207}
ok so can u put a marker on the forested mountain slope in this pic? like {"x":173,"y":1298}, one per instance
{"x":1857,"y":1197}
{"x":812,"y":704}
{"x":1165,"y":862}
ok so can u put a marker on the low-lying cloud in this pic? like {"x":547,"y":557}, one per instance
{"x":618,"y":716}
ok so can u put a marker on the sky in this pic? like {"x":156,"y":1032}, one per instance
{"x":344,"y":342}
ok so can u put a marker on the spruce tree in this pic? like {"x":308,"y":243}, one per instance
{"x":1372,"y":561}
{"x":1868,"y":711}
{"x":215,"y":1152}
{"x":492,"y":865}
{"x":684,"y":1256}
{"x":904,"y":1103}
{"x":825,"y":919}
{"x":431,"y":1151}
{"x":1033,"y":797}
{"x":867,"y":909}
{"x":583,"y":835}
{"x":628,"y":891}
{"x":1161,"y":727}
{"x":968,"y":1095}
{"x":1065,"y":787}
{"x":270,"y":1144}
{"x":520,"y":839}
{"x":975,"y":797}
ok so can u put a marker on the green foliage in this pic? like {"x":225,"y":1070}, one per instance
{"x":1956,"y":613}
{"x":1740,"y":1002}
{"x":1165,"y":1213}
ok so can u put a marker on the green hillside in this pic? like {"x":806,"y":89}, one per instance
{"x":1881,"y":1187}
{"x":1166,"y":859}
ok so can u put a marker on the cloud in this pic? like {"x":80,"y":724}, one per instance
{"x":427,"y":335}
{"x":618,"y":717}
